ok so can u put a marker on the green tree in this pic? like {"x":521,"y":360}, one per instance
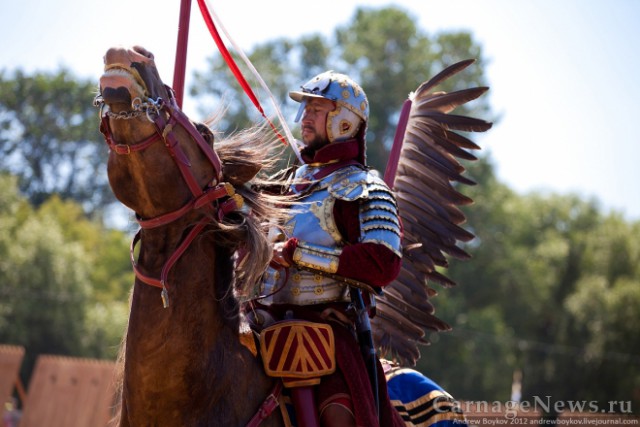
{"x":382,"y":49}
{"x":49,"y":138}
{"x":55,"y":297}
{"x":603,"y":310}
{"x":551,"y":290}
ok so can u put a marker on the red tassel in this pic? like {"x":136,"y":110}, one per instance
{"x":233,"y":66}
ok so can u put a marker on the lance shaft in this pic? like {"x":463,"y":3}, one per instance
{"x":181,"y":51}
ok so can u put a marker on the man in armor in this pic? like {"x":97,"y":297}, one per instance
{"x":343,"y":230}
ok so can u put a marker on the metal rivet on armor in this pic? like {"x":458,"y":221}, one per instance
{"x":363,"y":105}
{"x":346,"y":94}
{"x":295,"y":291}
{"x":297,"y":277}
{"x":317,"y":278}
{"x":318,"y":290}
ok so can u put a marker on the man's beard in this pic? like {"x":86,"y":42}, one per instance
{"x":313,"y":146}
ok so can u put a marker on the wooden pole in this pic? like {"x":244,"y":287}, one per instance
{"x":394,"y":155}
{"x":181,"y":51}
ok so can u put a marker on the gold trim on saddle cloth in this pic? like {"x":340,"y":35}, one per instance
{"x":299,"y":352}
{"x":248,"y":340}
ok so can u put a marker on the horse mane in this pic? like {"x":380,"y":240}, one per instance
{"x":248,"y":157}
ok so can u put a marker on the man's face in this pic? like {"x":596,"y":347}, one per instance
{"x":314,"y":123}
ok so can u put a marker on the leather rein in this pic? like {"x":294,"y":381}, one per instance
{"x":217,"y":197}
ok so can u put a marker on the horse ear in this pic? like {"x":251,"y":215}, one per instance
{"x":206,"y":133}
{"x":239,"y":173}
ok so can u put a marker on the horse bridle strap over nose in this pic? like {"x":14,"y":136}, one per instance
{"x":164,"y":131}
{"x":210,"y":198}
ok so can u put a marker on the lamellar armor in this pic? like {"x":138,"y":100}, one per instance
{"x":311,"y":280}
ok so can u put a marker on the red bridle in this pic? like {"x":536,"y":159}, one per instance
{"x":218,"y":198}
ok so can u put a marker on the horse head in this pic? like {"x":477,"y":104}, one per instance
{"x":151,"y":140}
{"x":163,"y":166}
{"x":130,"y":74}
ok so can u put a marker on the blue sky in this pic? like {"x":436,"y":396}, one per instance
{"x":563,"y":74}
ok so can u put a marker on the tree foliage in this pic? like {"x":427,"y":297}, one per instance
{"x":382,"y":49}
{"x":49,"y":138}
{"x":64,"y":279}
{"x":560,"y":280}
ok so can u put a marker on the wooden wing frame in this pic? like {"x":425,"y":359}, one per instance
{"x":426,"y":187}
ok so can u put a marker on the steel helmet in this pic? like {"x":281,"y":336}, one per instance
{"x":352,"y":106}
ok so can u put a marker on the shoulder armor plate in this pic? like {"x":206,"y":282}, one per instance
{"x":350,"y":183}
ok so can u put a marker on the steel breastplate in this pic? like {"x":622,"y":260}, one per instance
{"x":312,"y":221}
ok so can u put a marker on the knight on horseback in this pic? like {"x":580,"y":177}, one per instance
{"x":340,"y":235}
{"x":343,"y":235}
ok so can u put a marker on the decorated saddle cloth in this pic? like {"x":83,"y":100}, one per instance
{"x":419,"y":400}
{"x":348,"y":360}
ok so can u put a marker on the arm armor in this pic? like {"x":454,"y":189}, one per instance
{"x":379,"y":219}
{"x":317,"y":257}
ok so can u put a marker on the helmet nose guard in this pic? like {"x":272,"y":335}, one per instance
{"x":352,"y":109}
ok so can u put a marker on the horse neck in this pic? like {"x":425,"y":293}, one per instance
{"x":184,"y":365}
{"x":197,"y":285}
{"x":182,"y":353}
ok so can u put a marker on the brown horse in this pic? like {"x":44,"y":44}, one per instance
{"x":185,"y":364}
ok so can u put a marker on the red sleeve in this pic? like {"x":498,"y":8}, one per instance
{"x":371,"y":263}
{"x":289,"y":248}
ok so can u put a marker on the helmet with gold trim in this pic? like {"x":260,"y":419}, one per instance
{"x":352,"y":107}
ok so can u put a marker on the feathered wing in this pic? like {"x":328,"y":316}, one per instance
{"x":425,"y":186}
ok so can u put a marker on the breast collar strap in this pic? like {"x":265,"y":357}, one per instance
{"x":268,"y":406}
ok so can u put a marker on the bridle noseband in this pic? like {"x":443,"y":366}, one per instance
{"x":218,"y":198}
